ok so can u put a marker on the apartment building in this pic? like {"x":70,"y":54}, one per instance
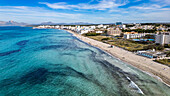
{"x":162,"y":38}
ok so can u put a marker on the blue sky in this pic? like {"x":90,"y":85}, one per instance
{"x":92,"y":11}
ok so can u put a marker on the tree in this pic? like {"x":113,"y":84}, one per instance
{"x":169,"y":45}
{"x":168,"y":54}
{"x":105,"y":39}
{"x":121,"y":35}
{"x":156,"y":47}
{"x":92,"y":34}
{"x":160,"y":47}
{"x":149,"y":47}
{"x":148,"y":36}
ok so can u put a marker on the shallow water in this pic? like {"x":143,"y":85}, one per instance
{"x":50,"y":62}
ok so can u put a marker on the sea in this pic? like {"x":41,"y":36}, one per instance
{"x":52,"y":62}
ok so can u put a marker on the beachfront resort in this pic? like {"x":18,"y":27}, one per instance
{"x":148,"y":40}
{"x":84,"y":47}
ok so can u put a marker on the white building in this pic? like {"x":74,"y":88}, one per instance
{"x":84,"y":31}
{"x":162,"y":38}
{"x":114,"y":31}
{"x":151,"y":54}
{"x":57,"y":26}
{"x":105,"y":26}
{"x":137,"y":25}
{"x":139,"y":35}
{"x":100,"y":26}
{"x":132,"y":27}
{"x":99,"y":31}
{"x":124,"y":26}
{"x":93,"y":27}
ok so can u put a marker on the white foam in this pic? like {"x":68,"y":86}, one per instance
{"x":134,"y":86}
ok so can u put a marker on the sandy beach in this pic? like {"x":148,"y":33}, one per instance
{"x":145,"y":64}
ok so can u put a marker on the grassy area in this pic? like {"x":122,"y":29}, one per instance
{"x":98,"y":38}
{"x":126,"y":44}
{"x":164,"y":61}
{"x":131,"y":46}
{"x":92,"y":34}
{"x":168,"y":54}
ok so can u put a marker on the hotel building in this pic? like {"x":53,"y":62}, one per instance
{"x":114,"y":31}
{"x":162,"y":38}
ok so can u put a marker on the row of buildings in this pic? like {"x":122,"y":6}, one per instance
{"x":160,"y":38}
{"x":77,"y":28}
{"x":151,"y":54}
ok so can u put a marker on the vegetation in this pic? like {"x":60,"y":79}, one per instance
{"x":164,"y":61}
{"x":126,"y":44}
{"x":129,"y":45}
{"x":92,"y":34}
{"x":168,"y":24}
{"x":140,"y":30}
{"x":148,"y":23}
{"x":129,"y":25}
{"x":148,"y":36}
{"x":154,"y":46}
{"x":105,"y":39}
{"x":167,"y":45}
{"x":168,"y":54}
{"x":98,"y":38}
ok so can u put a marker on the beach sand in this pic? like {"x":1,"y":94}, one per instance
{"x":145,"y":64}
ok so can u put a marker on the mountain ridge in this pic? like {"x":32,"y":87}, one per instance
{"x":12,"y":23}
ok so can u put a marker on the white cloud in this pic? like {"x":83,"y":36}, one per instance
{"x":24,"y":13}
{"x":150,"y":7}
{"x":164,"y":2}
{"x":157,"y":16}
{"x":34,"y":11}
{"x":61,"y":5}
{"x":146,"y":12}
{"x":101,"y":5}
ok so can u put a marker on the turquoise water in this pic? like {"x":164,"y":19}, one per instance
{"x":50,"y":62}
{"x":143,"y":39}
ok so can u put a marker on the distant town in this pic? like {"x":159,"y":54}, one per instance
{"x":150,"y":40}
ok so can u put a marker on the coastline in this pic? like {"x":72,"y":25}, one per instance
{"x":154,"y":69}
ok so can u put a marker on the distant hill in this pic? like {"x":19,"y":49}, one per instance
{"x":51,"y":23}
{"x":12,"y":23}
{"x":80,"y":23}
{"x":47,"y":23}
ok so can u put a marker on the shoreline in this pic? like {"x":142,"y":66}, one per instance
{"x":154,"y":69}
